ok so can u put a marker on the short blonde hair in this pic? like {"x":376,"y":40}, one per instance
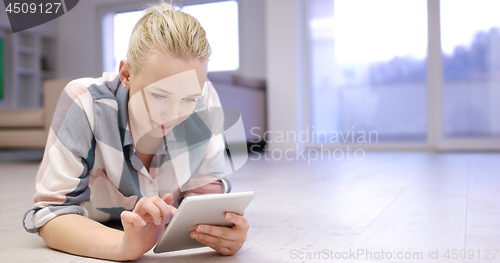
{"x":164,"y":30}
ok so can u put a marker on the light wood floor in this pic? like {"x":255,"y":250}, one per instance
{"x":404,"y":204}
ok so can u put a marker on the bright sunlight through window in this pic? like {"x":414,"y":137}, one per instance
{"x":219,"y":19}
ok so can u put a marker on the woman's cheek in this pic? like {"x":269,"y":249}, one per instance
{"x":157,"y":109}
{"x":188,"y":110}
{"x":184,"y":115}
{"x":139,"y":113}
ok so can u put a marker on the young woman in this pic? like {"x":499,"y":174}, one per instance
{"x":119,"y":143}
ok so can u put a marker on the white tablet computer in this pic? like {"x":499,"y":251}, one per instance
{"x":202,"y":209}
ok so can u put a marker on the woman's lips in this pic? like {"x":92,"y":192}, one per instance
{"x":161,"y":126}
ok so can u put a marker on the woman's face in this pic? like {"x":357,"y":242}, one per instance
{"x":162,"y":95}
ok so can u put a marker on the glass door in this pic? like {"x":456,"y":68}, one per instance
{"x":470,"y":44}
{"x":368,"y":62}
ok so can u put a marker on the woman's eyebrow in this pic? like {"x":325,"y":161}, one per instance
{"x":162,"y":90}
{"x":194,"y":95}
{"x":170,"y":93}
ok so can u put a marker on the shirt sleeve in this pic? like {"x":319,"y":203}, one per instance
{"x":63,"y":176}
{"x":214,"y":165}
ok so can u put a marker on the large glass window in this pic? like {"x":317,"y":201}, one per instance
{"x":219,"y":19}
{"x":368,"y":69}
{"x":470,"y":40}
{"x":122,"y":30}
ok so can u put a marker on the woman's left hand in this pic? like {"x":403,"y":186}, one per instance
{"x":225,"y":240}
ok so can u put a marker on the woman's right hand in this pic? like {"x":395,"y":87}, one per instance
{"x":144,"y":226}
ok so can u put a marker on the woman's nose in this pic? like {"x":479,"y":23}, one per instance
{"x":172,"y":114}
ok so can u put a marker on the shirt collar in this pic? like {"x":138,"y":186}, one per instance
{"x":122,"y":100}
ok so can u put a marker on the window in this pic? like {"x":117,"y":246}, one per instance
{"x":123,"y":25}
{"x":471,"y":68}
{"x":368,"y":73}
{"x":219,"y":19}
{"x":368,"y":69}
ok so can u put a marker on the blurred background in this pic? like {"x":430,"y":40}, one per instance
{"x":394,"y":75}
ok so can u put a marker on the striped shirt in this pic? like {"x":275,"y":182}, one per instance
{"x":91,"y":167}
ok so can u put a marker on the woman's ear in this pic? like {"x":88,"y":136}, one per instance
{"x":126,"y":85}
{"x":125,"y":74}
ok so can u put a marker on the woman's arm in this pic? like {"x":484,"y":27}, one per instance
{"x":209,"y":185}
{"x":82,"y":236}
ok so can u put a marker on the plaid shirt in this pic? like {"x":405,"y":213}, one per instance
{"x":90,"y":166}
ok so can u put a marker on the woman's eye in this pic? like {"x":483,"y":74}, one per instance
{"x":191,"y":100}
{"x":158,"y":96}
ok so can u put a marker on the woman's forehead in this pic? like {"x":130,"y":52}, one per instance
{"x":159,"y":67}
{"x":182,"y":84}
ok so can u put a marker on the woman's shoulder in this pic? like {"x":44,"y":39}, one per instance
{"x":103,"y":86}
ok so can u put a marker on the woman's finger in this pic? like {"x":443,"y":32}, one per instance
{"x":165,"y":210}
{"x":219,"y":231}
{"x":225,"y":247}
{"x":168,"y":198}
{"x":239,"y":220}
{"x":145,"y":206}
{"x":132,"y":218}
{"x":226,"y":251}
{"x":211,"y":241}
{"x":173,"y":210}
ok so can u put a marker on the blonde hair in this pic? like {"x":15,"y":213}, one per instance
{"x":163,"y":30}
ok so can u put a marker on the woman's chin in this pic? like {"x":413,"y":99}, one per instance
{"x":158,"y":132}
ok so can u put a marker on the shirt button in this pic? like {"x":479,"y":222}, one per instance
{"x":151,"y":182}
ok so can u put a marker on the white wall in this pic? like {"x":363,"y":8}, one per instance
{"x":252,"y":38}
{"x":285,"y":70}
{"x":4,"y":19}
{"x":80,"y":43}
